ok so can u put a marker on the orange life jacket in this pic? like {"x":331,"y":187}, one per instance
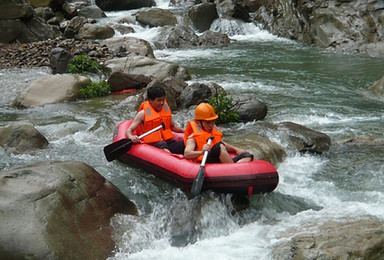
{"x":153,"y":119}
{"x":201,"y":136}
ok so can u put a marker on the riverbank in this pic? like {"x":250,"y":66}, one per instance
{"x":38,"y":54}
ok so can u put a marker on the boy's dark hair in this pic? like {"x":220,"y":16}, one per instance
{"x":155,"y":92}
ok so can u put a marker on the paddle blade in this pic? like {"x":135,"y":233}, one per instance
{"x":115,"y":150}
{"x":197,"y":184}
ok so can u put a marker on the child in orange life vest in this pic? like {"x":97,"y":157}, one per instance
{"x":198,"y":131}
{"x":150,"y":115}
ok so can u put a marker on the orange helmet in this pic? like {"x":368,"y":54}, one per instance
{"x":205,"y":111}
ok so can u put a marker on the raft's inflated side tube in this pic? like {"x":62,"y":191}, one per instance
{"x":238,"y":178}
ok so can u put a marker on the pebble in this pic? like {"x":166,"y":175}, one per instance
{"x":37,"y":54}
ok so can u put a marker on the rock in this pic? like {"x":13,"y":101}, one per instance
{"x":202,"y":15}
{"x":344,"y":26}
{"x":50,"y":90}
{"x":129,"y":45}
{"x":336,"y":239}
{"x":148,"y":67}
{"x":378,"y":87}
{"x":303,"y":139}
{"x":294,"y":137}
{"x":41,"y":3}
{"x":112,"y":5}
{"x":262,"y":148}
{"x":155,"y":17}
{"x":21,"y":137}
{"x":39,"y":54}
{"x":74,"y":26}
{"x":92,"y":11}
{"x":10,"y":30}
{"x":235,"y":9}
{"x":58,"y":210}
{"x":213,"y":39}
{"x":119,"y":81}
{"x":60,"y":60}
{"x":250,"y":108}
{"x":194,"y":94}
{"x":179,"y":36}
{"x":95,"y":31}
{"x":10,"y":10}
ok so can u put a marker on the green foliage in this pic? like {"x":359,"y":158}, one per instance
{"x":95,"y":89}
{"x":225,"y":109}
{"x":81,"y":64}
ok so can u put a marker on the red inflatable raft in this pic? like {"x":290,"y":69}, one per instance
{"x":238,"y":178}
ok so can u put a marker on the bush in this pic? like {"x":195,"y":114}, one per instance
{"x":82,"y":65}
{"x":95,"y":89}
{"x":225,"y":109}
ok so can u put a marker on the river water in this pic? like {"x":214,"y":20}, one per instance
{"x":324,"y":91}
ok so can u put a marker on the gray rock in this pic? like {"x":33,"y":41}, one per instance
{"x":202,"y":15}
{"x":21,"y":137}
{"x":155,"y":17}
{"x":50,"y":90}
{"x":336,"y":239}
{"x":58,"y":210}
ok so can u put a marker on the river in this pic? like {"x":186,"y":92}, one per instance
{"x":324,"y":91}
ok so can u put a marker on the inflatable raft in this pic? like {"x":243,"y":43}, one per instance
{"x":246,"y":178}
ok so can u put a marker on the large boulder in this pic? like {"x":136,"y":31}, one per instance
{"x":353,"y":26}
{"x":20,"y":137}
{"x":133,"y":64}
{"x":18,"y":23}
{"x":120,"y":81}
{"x":202,"y":15}
{"x":58,"y":210}
{"x":129,"y":45}
{"x":155,"y":17}
{"x":50,"y":90}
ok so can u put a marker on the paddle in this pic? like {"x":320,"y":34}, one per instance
{"x":199,"y":179}
{"x":114,"y":150}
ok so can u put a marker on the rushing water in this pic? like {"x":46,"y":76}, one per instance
{"x":324,"y":91}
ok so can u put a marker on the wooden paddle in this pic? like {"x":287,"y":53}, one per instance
{"x":197,"y":184}
{"x":116,"y":149}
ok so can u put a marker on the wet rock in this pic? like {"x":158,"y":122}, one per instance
{"x":250,"y":108}
{"x":337,"y":239}
{"x":21,"y":137}
{"x":50,"y":90}
{"x":58,"y":210}
{"x":202,"y":16}
{"x":179,"y":36}
{"x":213,"y":39}
{"x":378,"y":87}
{"x":194,"y":94}
{"x":304,"y":139}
